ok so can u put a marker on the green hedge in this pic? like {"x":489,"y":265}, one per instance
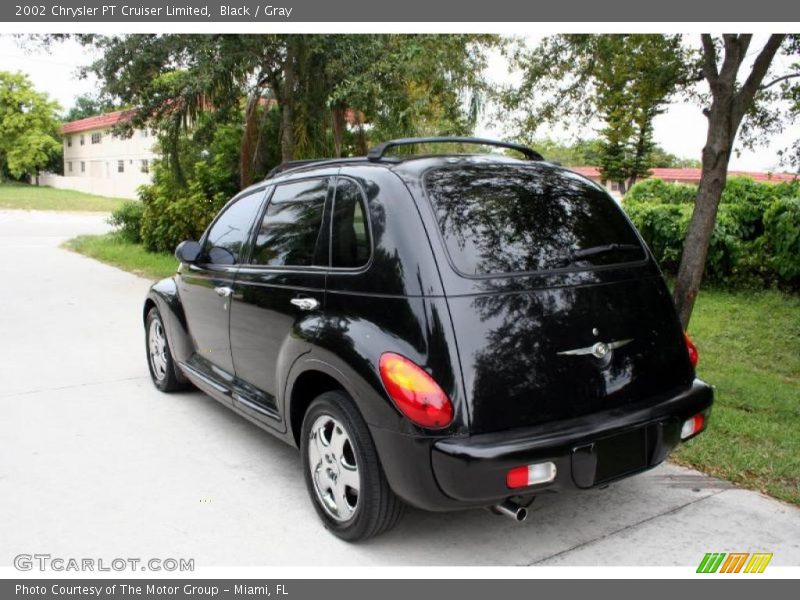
{"x":173,"y":214}
{"x":756,"y":239}
{"x":180,"y":208}
{"x":128,"y":220}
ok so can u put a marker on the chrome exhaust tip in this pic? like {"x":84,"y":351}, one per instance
{"x":511,"y":509}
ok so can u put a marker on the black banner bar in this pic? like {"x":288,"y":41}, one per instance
{"x":400,"y":589}
{"x":463,"y":11}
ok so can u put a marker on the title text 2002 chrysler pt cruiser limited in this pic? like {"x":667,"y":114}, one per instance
{"x":447,"y":331}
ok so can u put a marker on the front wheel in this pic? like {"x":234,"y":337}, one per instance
{"x":342,"y":470}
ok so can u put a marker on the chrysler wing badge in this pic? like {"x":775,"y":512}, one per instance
{"x":598,"y":350}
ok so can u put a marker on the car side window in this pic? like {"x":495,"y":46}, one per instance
{"x":350,"y":244}
{"x":229,"y":233}
{"x":290,"y":228}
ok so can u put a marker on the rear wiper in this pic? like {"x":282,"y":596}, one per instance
{"x":574,"y":255}
{"x":584,"y":252}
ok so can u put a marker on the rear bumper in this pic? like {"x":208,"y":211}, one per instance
{"x":587,"y":451}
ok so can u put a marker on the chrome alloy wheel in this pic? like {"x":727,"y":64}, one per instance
{"x":157,"y":346}
{"x":334,"y":470}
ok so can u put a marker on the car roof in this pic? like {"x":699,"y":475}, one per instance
{"x":408,"y":167}
{"x":407,"y":163}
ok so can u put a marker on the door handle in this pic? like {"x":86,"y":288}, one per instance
{"x":305,"y":303}
{"x":224,"y":291}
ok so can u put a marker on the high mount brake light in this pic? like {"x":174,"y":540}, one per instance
{"x":415,"y":392}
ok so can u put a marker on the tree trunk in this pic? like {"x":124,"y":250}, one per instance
{"x":713,"y":175}
{"x":249,"y":141}
{"x":729,"y":104}
{"x":361,"y":141}
{"x":338,"y":128}
{"x":701,"y":227}
{"x":287,"y":104}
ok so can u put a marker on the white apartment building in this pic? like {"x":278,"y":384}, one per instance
{"x":99,"y":162}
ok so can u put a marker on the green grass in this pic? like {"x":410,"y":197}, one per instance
{"x":31,"y":197}
{"x":749,"y":344}
{"x":112,"y":249}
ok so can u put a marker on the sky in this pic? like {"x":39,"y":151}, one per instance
{"x":681,"y":130}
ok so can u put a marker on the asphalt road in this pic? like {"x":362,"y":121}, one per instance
{"x":95,"y":462}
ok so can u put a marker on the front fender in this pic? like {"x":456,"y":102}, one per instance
{"x":164,"y":296}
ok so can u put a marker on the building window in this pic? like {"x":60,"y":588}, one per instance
{"x":145,"y":166}
{"x":69,"y":166}
{"x":69,"y":141}
{"x":83,"y":167}
{"x":97,"y":137}
{"x":120,"y":166}
{"x":144,"y":133}
{"x":83,"y":139}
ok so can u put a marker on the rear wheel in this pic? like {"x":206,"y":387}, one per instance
{"x":342,"y":470}
{"x":159,"y":358}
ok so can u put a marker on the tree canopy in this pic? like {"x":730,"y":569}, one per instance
{"x":332,"y":92}
{"x":29,"y":138}
{"x":626,"y":80}
{"x":587,"y":152}
{"x":87,"y":105}
{"x":622,"y":81}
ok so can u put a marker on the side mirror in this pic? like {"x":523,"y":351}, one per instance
{"x":188,"y":251}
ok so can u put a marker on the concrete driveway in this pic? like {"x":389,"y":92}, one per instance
{"x":95,"y":462}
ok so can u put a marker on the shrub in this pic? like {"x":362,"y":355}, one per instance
{"x":173,"y":214}
{"x":756,"y":238}
{"x":664,"y":227}
{"x":660,"y":192}
{"x":177,"y":210}
{"x":128,"y":220}
{"x":782,"y":238}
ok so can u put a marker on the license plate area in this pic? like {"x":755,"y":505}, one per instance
{"x":612,"y":457}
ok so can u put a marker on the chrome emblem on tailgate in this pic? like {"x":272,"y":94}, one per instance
{"x":598,"y":350}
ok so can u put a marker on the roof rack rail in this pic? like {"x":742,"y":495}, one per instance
{"x":292,"y":164}
{"x":296,"y":164}
{"x":375,"y":154}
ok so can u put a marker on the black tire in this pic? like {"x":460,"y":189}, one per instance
{"x":166,"y":379}
{"x":377,"y":508}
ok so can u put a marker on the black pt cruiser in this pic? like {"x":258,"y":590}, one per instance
{"x":447,"y":331}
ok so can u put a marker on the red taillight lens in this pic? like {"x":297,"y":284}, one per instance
{"x":517,"y":477}
{"x":415,"y":392}
{"x":691,"y":349}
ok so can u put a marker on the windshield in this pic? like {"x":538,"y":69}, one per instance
{"x":500,"y":218}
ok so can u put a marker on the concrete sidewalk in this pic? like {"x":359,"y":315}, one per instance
{"x":95,"y":462}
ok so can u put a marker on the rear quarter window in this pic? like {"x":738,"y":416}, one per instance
{"x":500,"y":219}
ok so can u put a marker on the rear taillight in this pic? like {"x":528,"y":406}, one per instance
{"x":415,"y":392}
{"x":528,"y":475}
{"x":693,"y":426}
{"x":691,"y":349}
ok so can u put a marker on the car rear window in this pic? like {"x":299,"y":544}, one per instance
{"x":503,"y":218}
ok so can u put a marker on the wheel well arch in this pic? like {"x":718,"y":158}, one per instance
{"x":148,"y":304}
{"x":308,"y":385}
